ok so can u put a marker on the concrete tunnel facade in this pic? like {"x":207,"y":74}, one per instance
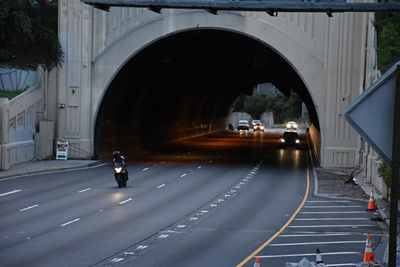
{"x":136,"y":78}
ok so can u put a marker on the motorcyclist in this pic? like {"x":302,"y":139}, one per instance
{"x":117,"y":157}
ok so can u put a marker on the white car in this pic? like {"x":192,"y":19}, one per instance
{"x":291,"y":125}
{"x":243,"y":125}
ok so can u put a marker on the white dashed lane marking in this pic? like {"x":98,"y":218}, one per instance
{"x":183,"y":175}
{"x":28,"y":208}
{"x":115,"y":260}
{"x":124,"y":201}
{"x":160,"y":186}
{"x":65,"y":224}
{"x":145,"y":169}
{"x":84,"y":190}
{"x":9,"y":193}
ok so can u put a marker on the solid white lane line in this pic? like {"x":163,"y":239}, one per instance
{"x":28,"y":208}
{"x":310,"y":254}
{"x":324,"y":207}
{"x":65,"y":224}
{"x":330,"y":212}
{"x":316,"y":243}
{"x":145,"y":169}
{"x":183,"y":175}
{"x":9,"y":193}
{"x":341,"y":264}
{"x":162,"y":185}
{"x":328,"y":201}
{"x":124,"y":201}
{"x":332,"y":219}
{"x":84,"y":190}
{"x":315,"y":235}
{"x":333,"y":226}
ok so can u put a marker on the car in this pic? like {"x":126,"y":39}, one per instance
{"x":257,"y":125}
{"x":290,"y":139}
{"x":243,"y":125}
{"x":291,"y":125}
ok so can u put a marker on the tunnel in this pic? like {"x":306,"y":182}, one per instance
{"x":183,"y":85}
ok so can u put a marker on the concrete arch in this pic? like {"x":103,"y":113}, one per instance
{"x":108,"y":63}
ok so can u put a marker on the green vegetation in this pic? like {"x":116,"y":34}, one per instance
{"x":28,"y":33}
{"x":388,"y":36}
{"x":284,"y":108}
{"x":385,"y":172}
{"x":10,"y":94}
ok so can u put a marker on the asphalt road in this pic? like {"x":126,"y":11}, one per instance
{"x":209,"y":201}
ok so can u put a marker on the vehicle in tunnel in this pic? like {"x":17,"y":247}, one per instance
{"x":257,"y":125}
{"x":243,"y":125}
{"x":291,"y":125}
{"x":290,"y":139}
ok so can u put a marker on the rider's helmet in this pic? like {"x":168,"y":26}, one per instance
{"x":117,"y":155}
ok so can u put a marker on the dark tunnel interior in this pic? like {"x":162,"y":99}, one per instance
{"x":184,"y":85}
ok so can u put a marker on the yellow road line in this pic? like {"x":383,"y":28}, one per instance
{"x":252,"y":255}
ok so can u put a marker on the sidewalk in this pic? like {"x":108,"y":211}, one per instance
{"x":41,"y":166}
{"x":331,"y":183}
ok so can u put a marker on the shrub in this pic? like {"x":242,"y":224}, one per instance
{"x":385,"y":171}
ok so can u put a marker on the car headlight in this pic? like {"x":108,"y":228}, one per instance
{"x":297,"y":141}
{"x":118,"y":169}
{"x":282,"y":140}
{"x":295,"y":125}
{"x":262,"y":127}
{"x":287,"y":125}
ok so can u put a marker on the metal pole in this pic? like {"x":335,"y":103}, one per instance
{"x":395,"y":174}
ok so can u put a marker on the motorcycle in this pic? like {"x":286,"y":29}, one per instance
{"x":120,"y":174}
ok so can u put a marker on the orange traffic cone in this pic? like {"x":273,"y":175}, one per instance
{"x":257,"y":263}
{"x":371,"y":204}
{"x":368,"y":255}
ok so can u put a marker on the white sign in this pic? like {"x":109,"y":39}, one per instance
{"x":62,"y":150}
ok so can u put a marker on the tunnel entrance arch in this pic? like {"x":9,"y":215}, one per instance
{"x":333,"y":56}
{"x":184,"y":84}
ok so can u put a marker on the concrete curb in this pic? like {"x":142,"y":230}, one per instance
{"x":49,"y":169}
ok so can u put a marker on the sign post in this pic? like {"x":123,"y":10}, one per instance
{"x":375,"y":115}
{"x":395,"y":174}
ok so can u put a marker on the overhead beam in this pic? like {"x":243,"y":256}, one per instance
{"x":271,"y":7}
